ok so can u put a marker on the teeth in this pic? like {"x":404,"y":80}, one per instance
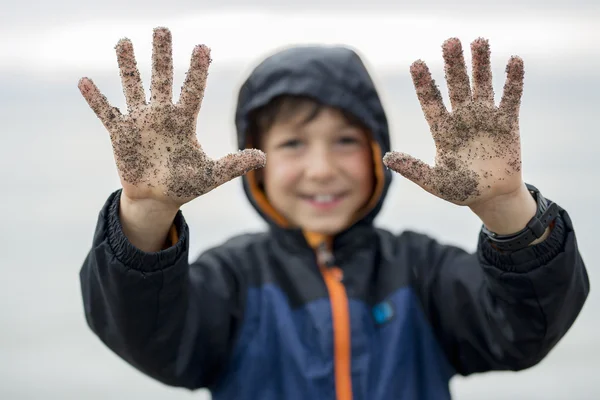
{"x":323,"y":198}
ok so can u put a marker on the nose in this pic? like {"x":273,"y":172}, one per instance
{"x":320,"y":165}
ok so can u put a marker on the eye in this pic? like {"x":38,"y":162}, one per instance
{"x":348,"y":140}
{"x":291,"y":144}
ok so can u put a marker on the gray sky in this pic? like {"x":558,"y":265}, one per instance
{"x":31,"y":12}
{"x":81,"y":42}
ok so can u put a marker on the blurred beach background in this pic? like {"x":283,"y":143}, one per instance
{"x":57,"y":168}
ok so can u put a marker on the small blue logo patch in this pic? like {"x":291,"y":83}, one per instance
{"x":383,"y":312}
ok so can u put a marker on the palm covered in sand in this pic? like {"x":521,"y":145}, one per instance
{"x":155,"y":146}
{"x":478,"y":150}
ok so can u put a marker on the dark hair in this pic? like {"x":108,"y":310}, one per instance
{"x":285,"y":107}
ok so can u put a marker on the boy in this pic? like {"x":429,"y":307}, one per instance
{"x":325,"y":305}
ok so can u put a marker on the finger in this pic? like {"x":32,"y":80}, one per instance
{"x":513,"y":88}
{"x":428,"y":94}
{"x":98,"y":103}
{"x":192,"y":91}
{"x":130,"y":76}
{"x":456,"y":73}
{"x":482,"y":71}
{"x":233,"y":165}
{"x":410,"y":167}
{"x":161,"y":87}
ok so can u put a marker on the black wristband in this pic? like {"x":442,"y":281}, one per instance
{"x":546,"y":213}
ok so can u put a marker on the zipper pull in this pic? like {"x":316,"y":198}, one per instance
{"x":325,"y":256}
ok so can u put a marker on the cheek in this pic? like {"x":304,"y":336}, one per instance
{"x":360,"y":168}
{"x":280,"y":176}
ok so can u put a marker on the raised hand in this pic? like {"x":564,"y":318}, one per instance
{"x":156,"y":150}
{"x":478,"y":151}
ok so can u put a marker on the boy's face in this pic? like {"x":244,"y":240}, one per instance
{"x":319,"y":173}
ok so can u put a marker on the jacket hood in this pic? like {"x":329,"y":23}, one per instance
{"x":334,"y":76}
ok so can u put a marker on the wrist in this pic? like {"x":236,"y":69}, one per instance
{"x":146,"y":222}
{"x":507,"y":214}
{"x":144,"y":208}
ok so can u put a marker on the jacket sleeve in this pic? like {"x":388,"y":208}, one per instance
{"x":501,"y":311}
{"x":173,"y":321}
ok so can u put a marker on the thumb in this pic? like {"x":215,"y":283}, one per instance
{"x":409,"y":167}
{"x":233,"y":165}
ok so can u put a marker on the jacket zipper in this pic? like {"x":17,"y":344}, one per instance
{"x":340,"y":314}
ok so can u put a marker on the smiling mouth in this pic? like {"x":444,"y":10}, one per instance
{"x":324,"y":200}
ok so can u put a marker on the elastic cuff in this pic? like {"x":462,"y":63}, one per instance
{"x":529,"y":258}
{"x":134,"y":258}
